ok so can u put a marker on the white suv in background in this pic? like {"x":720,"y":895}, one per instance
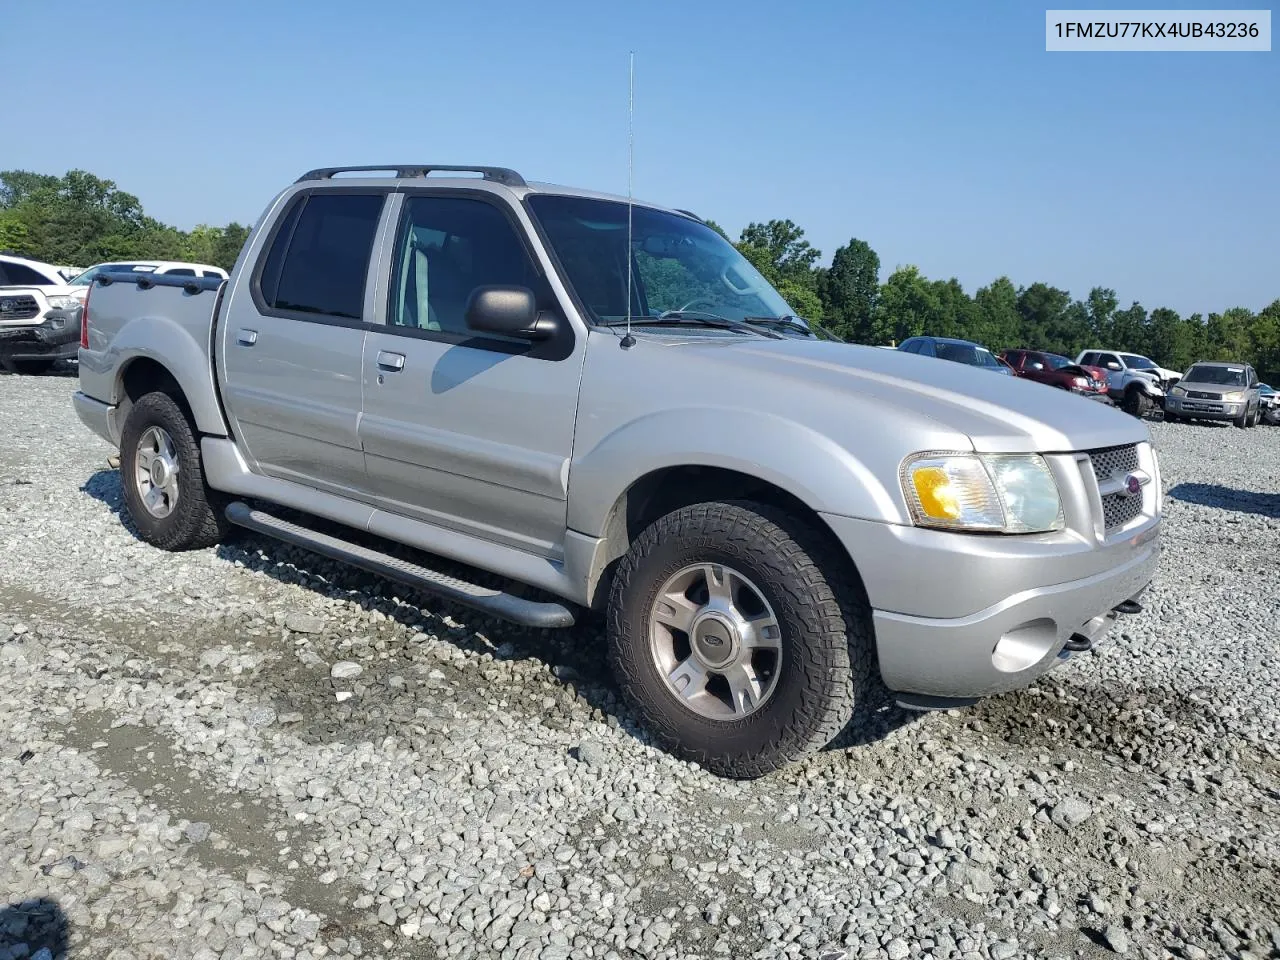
{"x":40,"y":308}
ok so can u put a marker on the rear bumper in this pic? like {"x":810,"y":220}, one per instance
{"x":97,"y":416}
{"x":959,"y":616}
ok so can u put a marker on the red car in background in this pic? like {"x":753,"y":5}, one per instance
{"x":1058,"y":371}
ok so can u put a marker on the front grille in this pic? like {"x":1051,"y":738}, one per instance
{"x":18,"y":308}
{"x":1117,"y":508}
{"x":1201,"y":395}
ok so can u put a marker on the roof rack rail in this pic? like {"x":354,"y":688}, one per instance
{"x":690,"y":213}
{"x":503,"y":175}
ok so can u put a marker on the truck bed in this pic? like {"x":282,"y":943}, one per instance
{"x":130,"y":317}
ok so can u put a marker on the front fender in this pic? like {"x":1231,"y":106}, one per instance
{"x":186,"y":359}
{"x":809,"y":465}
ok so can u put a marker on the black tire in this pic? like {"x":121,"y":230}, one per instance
{"x":197,"y":521}
{"x":1172,"y":418}
{"x":1242,"y":421}
{"x":1136,"y":403}
{"x":30,"y":367}
{"x":827,"y":651}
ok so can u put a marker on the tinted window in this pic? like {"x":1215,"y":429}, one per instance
{"x":180,"y":272}
{"x":447,"y":247}
{"x":18,"y":275}
{"x":926,"y":349}
{"x":1105,"y":358}
{"x":320,"y":257}
{"x":210,"y":273}
{"x":910,"y":346}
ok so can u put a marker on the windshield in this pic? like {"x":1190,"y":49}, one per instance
{"x":1055,"y":362}
{"x":677,"y":263}
{"x":966,"y":353}
{"x":88,"y":276}
{"x":1223,"y":376}
{"x":1137,"y":362}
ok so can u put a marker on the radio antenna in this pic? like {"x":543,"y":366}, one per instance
{"x":629,"y":340}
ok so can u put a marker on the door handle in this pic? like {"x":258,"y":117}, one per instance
{"x":247,"y":338}
{"x":390,"y":361}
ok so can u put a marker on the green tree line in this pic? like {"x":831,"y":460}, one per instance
{"x":848,"y":298}
{"x":80,"y":219}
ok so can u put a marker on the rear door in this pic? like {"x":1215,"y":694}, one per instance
{"x":466,"y":430}
{"x":292,"y":341}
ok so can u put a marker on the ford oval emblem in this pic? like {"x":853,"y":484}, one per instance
{"x":1132,"y":484}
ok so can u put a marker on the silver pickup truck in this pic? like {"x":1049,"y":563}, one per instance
{"x":593,"y":398}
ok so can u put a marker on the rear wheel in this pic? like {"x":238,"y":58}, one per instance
{"x":732,"y":635}
{"x":163,"y":478}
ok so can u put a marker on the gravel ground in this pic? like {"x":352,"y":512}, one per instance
{"x":248,"y":752}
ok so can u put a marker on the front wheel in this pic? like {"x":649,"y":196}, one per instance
{"x":1242,"y":421}
{"x":732,"y":635}
{"x":1136,"y":403}
{"x":163,"y":478}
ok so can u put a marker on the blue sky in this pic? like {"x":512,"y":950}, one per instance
{"x":941,"y":133}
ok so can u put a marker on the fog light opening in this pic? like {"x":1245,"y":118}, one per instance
{"x":1025,"y":645}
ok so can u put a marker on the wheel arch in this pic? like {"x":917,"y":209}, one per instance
{"x":666,"y":489}
{"x":152,"y":353}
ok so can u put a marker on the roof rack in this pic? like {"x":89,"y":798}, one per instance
{"x":690,"y":213}
{"x":503,"y":175}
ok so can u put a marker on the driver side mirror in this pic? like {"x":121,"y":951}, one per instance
{"x":1036,"y":365}
{"x":507,"y":310}
{"x":1112,"y":365}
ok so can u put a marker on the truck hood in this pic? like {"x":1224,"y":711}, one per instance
{"x":998,"y":414}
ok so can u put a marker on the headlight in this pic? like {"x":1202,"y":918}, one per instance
{"x":1080,"y":381}
{"x":1176,"y":391}
{"x":64,"y":303}
{"x":1004,"y":493}
{"x":1234,"y":397}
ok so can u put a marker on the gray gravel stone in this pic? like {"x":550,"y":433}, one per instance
{"x":440,"y":808}
{"x":1116,"y":938}
{"x":1070,"y":812}
{"x":304,"y":623}
{"x":345,"y":670}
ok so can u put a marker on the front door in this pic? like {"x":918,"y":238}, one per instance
{"x":293,"y":348}
{"x":469,"y":431}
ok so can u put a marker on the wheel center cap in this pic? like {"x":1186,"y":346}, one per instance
{"x":159,"y":472}
{"x":714,"y":640}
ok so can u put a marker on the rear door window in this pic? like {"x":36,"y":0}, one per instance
{"x":318,"y":263}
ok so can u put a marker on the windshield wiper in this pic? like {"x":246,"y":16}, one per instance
{"x":676,"y":317}
{"x":791,"y":322}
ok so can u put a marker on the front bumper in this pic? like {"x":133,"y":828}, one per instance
{"x":1009,"y":645}
{"x":959,"y":616}
{"x":1203,"y":409}
{"x":57,"y":337}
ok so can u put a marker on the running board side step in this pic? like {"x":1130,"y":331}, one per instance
{"x":529,"y":613}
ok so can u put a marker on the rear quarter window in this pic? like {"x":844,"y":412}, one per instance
{"x":319,"y":258}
